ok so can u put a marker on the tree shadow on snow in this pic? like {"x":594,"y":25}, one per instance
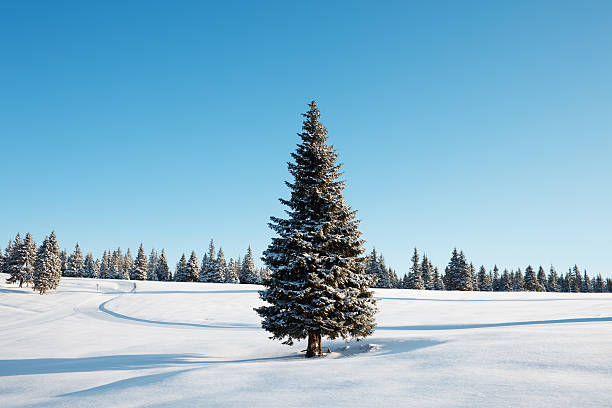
{"x":491,"y":300}
{"x":503,"y":324}
{"x":381,"y":347}
{"x":119,"y":362}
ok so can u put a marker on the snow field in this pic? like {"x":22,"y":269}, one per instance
{"x":200,"y":344}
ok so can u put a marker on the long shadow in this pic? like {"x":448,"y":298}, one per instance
{"x":16,"y":290}
{"x":505,"y":324}
{"x":117,"y":362}
{"x":159,"y":292}
{"x":490,"y":300}
{"x":103,"y":308}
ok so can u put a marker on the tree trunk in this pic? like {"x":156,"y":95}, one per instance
{"x":314,"y":344}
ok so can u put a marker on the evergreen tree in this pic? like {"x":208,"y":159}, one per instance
{"x":127,"y":265}
{"x":542,"y":280}
{"x":232,"y":273}
{"x":438,"y":284}
{"x":553,"y":281}
{"x":89,"y":267}
{"x":531,"y":280}
{"x":48,"y":266}
{"x":193,"y":268}
{"x":458,"y":275}
{"x":318,"y":286}
{"x":415,"y":276}
{"x":6,"y":258}
{"x":152,"y":266}
{"x":105,"y":266}
{"x":577,"y":280}
{"x":599,"y":285}
{"x":21,"y":261}
{"x":221,"y":267}
{"x":427,"y":273}
{"x":473,"y":277}
{"x":506,"y":282}
{"x":496,"y":280}
{"x":180,"y":275}
{"x":248,"y":274}
{"x":74,"y":264}
{"x":519,"y":281}
{"x":64,"y":260}
{"x":484,"y":280}
{"x":587,"y":286}
{"x":140,"y":268}
{"x":161,"y":268}
{"x":210,"y":272}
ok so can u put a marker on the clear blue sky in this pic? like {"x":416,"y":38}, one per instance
{"x":481,"y":125}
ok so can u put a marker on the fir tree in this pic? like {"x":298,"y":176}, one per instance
{"x":21,"y":261}
{"x":221,"y":267}
{"x":473,"y":277}
{"x":577,"y":279}
{"x":438,"y":284}
{"x":318,"y":286}
{"x":587,"y":286}
{"x":248,"y":274}
{"x":74,"y":264}
{"x":232,"y":272}
{"x":531,"y":280}
{"x":126,"y":266}
{"x":140,"y":268}
{"x":89,"y":267}
{"x":415,"y":276}
{"x":64,"y":260}
{"x":543,"y":286}
{"x":427,"y":273}
{"x":599,"y":286}
{"x":152,"y":266}
{"x":161,"y":268}
{"x":48,"y":266}
{"x":506,"y":282}
{"x":180,"y":275}
{"x":496,"y":280}
{"x":458,"y":275}
{"x":553,"y":281}
{"x":105,"y":266}
{"x":193,"y":268}
{"x":484,"y":280}
{"x":519,"y":281}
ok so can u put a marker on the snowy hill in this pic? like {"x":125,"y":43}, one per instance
{"x":92,"y":343}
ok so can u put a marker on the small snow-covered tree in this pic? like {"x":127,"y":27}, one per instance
{"x":64,"y":260}
{"x":427,"y":273}
{"x":89,"y":267}
{"x":152,"y":265}
{"x":318,"y":286}
{"x":221,"y":272}
{"x":458,"y":276}
{"x":553,"y":280}
{"x":542,"y":282}
{"x":140,"y":268}
{"x":484,"y":280}
{"x":161,"y":268}
{"x":127,"y":266}
{"x":180,"y":275}
{"x":531,"y":281}
{"x":415,"y":276}
{"x":48,"y":266}
{"x":193,"y":268}
{"x":248,"y":273}
{"x":21,"y":260}
{"x":438,"y":284}
{"x":519,"y":281}
{"x":74,"y":264}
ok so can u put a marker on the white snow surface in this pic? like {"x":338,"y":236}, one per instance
{"x":200,"y":345}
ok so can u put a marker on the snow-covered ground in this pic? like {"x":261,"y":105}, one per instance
{"x":199,"y":345}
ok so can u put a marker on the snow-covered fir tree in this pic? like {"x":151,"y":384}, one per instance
{"x":180,"y":275}
{"x":415,"y":277}
{"x":64,"y":259}
{"x":89,"y":267}
{"x":506,"y":282}
{"x":127,"y":266}
{"x":518,"y":283}
{"x":248,"y":273}
{"x":21,"y":260}
{"x":221,"y":272}
{"x":74,"y":264}
{"x":542,"y":280}
{"x":152,"y":266}
{"x":48,"y":266}
{"x":495,"y":281}
{"x":458,"y":275}
{"x":192,"y":270}
{"x":577,"y":279}
{"x":162,"y":271}
{"x":438,"y":284}
{"x":232,"y":275}
{"x":587,"y":286}
{"x":209,"y":271}
{"x":553,"y":281}
{"x":473,"y":276}
{"x":427,"y":273}
{"x":484,"y":280}
{"x":599,"y":286}
{"x":140,"y":268}
{"x":318,"y":286}
{"x":531,"y":280}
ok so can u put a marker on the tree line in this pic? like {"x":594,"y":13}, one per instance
{"x":461,"y":275}
{"x":22,"y":257}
